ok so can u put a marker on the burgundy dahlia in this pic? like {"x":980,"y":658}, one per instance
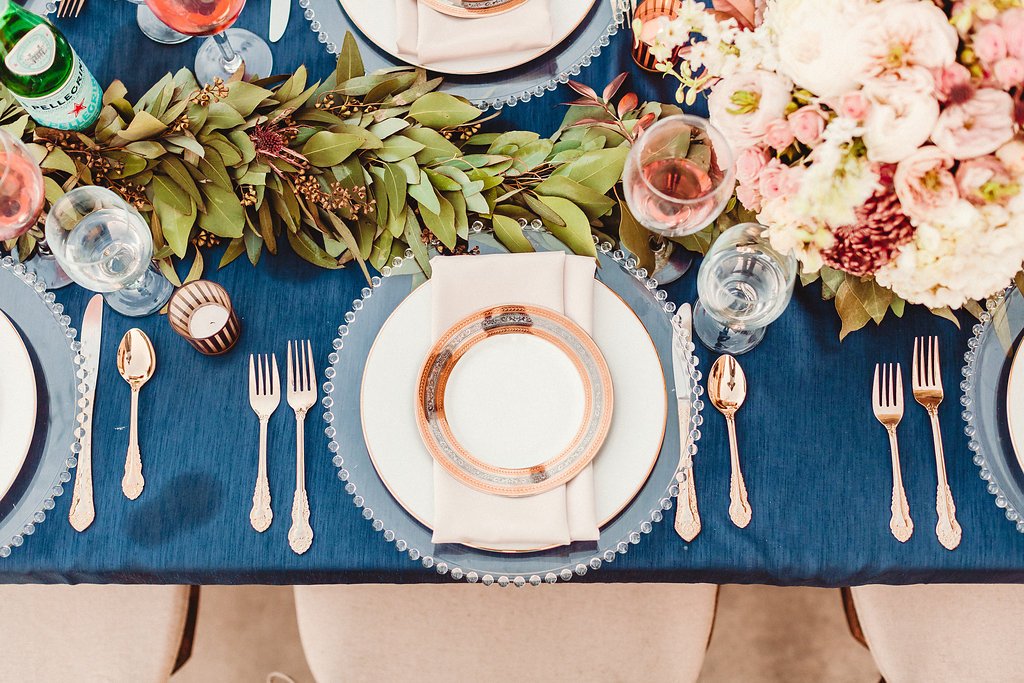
{"x":863,"y":247}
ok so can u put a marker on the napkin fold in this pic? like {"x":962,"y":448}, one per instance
{"x":461,"y":285}
{"x":425,"y":35}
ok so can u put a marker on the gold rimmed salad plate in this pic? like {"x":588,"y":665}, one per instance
{"x":532,"y":465}
{"x":471,"y":9}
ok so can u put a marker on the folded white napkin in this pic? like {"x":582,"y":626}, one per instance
{"x":461,"y":285}
{"x":425,"y":35}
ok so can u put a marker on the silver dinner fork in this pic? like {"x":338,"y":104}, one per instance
{"x":887,"y":402}
{"x":928,"y":392}
{"x":69,"y":8}
{"x":301,"y":397}
{"x":264,"y":397}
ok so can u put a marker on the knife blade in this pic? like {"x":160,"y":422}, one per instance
{"x":83,"y":510}
{"x":687,"y":523}
{"x":279,"y":12}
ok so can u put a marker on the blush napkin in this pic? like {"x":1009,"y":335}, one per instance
{"x":425,"y":35}
{"x":461,"y":285}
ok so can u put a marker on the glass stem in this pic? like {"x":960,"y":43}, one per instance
{"x":230,"y":59}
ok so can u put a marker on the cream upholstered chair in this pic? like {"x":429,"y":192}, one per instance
{"x":942,"y":632}
{"x":461,"y":632}
{"x":88,"y":633}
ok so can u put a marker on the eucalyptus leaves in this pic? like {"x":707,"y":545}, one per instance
{"x":358,"y":167}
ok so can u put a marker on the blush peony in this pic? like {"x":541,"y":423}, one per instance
{"x":976,"y":127}
{"x":742,"y":106}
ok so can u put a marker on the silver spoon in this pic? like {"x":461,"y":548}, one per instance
{"x":136,"y":361}
{"x":727,"y":388}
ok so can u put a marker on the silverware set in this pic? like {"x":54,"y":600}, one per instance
{"x":264,"y":398}
{"x":887,"y":404}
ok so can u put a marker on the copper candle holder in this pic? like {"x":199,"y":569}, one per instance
{"x":201,"y":312}
{"x":648,"y":11}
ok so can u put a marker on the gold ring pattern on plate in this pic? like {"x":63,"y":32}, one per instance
{"x":565,"y":335}
{"x":472,"y":9}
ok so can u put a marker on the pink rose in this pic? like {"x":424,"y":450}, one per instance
{"x":924,"y":184}
{"x":777,"y":180}
{"x":951,"y":79}
{"x":989,"y":43}
{"x":853,"y":105}
{"x":1012,"y":21}
{"x":808,"y":123}
{"x":1009,"y":72}
{"x":743,"y":104}
{"x":749,"y":164}
{"x":1012,"y":156}
{"x":778,"y":135}
{"x":979,"y":180}
{"x":976,"y":127}
{"x":749,"y":196}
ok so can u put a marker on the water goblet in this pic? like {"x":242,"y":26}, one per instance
{"x":677,"y":179}
{"x":22,"y":195}
{"x":228,"y":49}
{"x":744,"y":285}
{"x":105,"y":245}
{"x":153,"y":28}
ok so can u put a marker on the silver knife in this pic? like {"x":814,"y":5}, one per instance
{"x":83,"y":511}
{"x":279,"y":11}
{"x":687,"y":516}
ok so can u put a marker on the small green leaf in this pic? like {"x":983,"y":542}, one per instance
{"x":329,"y":149}
{"x":442,"y":223}
{"x":635,"y":238}
{"x":224,"y":214}
{"x":398,"y":147}
{"x":510,"y":233}
{"x":440,"y":110}
{"x":599,"y":170}
{"x":350,"y":62}
{"x":576,"y":232}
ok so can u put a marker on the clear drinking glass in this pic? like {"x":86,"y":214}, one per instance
{"x":21,"y":201}
{"x":228,"y":49}
{"x":677,"y":180}
{"x":744,"y":285}
{"x":105,"y":245}
{"x":153,"y":28}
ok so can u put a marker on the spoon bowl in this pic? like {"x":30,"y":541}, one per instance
{"x":727,"y":385}
{"x":136,"y":359}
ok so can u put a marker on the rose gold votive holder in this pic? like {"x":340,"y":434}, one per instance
{"x":201,"y":312}
{"x":648,"y":11}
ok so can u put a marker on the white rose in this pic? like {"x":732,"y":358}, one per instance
{"x":743,"y":105}
{"x":900,"y":119}
{"x":901,"y":35}
{"x":820,"y":45}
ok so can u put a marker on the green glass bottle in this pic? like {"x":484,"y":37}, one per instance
{"x":41,"y":70}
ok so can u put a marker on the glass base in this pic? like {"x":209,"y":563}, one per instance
{"x":671,"y":261}
{"x":46,"y":268}
{"x":145,"y":297}
{"x":257,"y":59}
{"x":723,"y":338}
{"x":156,"y":30}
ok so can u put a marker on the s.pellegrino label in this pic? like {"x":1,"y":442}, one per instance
{"x":45,"y":74}
{"x":73,"y":106}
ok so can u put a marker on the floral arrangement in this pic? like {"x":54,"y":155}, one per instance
{"x":878,"y":140}
{"x":357,"y":168}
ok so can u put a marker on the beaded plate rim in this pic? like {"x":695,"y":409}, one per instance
{"x":38,"y":512}
{"x":565,"y":572}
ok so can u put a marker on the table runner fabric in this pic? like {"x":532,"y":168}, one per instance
{"x":460,"y":286}
{"x":816,"y":462}
{"x":426,"y":35}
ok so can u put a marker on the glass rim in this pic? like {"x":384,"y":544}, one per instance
{"x":792,"y":264}
{"x":719,"y":145}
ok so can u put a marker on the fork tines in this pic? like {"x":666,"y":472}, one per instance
{"x":301,"y":369}
{"x":69,"y":8}
{"x":887,"y":395}
{"x":926,"y":373}
{"x":263,"y":378}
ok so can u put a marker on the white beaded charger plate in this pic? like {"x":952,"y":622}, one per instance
{"x":621,"y":467}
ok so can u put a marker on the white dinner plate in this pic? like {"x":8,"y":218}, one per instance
{"x":621,"y":466}
{"x":1015,"y":403}
{"x":377,"y":21}
{"x":17,"y":403}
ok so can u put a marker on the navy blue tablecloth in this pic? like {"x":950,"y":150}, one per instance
{"x":816,"y":462}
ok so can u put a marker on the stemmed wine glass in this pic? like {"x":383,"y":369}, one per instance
{"x":105,"y":245}
{"x":153,"y":28}
{"x":228,"y":49}
{"x":22,"y":196}
{"x":744,"y":285}
{"x":677,"y":179}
